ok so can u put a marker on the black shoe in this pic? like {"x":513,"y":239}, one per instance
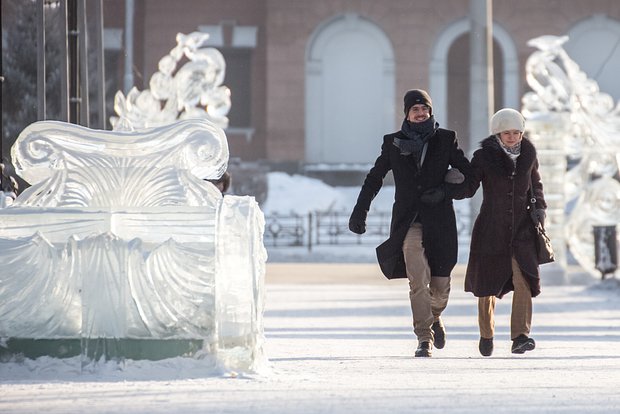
{"x":424,"y":349}
{"x":522,"y":343}
{"x":439,"y":331}
{"x":485,"y":346}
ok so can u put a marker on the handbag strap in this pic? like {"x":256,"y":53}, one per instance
{"x":532,"y":199}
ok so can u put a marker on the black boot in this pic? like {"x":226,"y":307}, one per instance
{"x":424,"y":349}
{"x":439,"y":331}
{"x":485,"y":346}
{"x":522,"y":343}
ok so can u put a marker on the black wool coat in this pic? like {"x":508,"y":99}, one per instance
{"x":438,"y":221}
{"x":503,"y":227}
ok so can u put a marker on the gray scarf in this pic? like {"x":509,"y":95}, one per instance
{"x":512,"y":152}
{"x":418,"y":134}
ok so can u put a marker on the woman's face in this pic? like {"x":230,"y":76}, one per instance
{"x":418,"y":113}
{"x":511,"y":138}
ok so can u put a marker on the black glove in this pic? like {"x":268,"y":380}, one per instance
{"x":541,"y":215}
{"x":433,"y":195}
{"x":357,"y":225}
{"x":357,"y":222}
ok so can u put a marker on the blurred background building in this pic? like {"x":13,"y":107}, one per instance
{"x":315,"y":83}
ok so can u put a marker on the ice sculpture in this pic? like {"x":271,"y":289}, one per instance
{"x":576,"y":128}
{"x":175,"y":94}
{"x":8,"y":186}
{"x":120,"y":239}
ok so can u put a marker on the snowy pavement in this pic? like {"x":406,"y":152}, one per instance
{"x":339,"y":339}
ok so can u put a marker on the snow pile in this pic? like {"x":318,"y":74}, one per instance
{"x":299,"y":194}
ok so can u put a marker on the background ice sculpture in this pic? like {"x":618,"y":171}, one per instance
{"x":175,"y":94}
{"x":120,"y":239}
{"x":8,"y":186}
{"x":576,"y":129}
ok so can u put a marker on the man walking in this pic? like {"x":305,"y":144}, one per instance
{"x":423,"y":238}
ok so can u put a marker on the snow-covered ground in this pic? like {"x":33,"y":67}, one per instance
{"x":339,"y":339}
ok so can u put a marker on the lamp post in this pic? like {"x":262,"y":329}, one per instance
{"x":481,"y":102}
{"x":481,"y":75}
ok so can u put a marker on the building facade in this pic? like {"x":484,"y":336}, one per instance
{"x":319,"y":82}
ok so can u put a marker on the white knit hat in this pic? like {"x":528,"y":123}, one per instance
{"x":507,"y":119}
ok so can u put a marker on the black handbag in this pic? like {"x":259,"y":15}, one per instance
{"x":544,"y":249}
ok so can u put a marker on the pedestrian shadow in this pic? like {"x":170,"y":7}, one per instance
{"x":437,"y":356}
{"x":343,"y":336}
{"x":513,"y":357}
{"x":339,"y":312}
{"x":591,"y":334}
{"x":360,"y":333}
{"x":403,"y":309}
{"x":347,"y":358}
{"x":574,"y":336}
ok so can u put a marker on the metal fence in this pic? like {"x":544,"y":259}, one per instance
{"x":322,"y":228}
{"x":287,"y":230}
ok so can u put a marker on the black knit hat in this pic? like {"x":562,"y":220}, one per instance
{"x":417,"y":96}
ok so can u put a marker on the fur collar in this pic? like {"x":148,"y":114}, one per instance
{"x":499,"y":160}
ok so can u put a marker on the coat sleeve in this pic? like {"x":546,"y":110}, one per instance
{"x":538,"y":187}
{"x":472,"y":182}
{"x":459,"y":161}
{"x":374,"y":181}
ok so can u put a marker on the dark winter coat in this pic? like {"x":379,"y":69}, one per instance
{"x":503,"y":227}
{"x":438,"y":221}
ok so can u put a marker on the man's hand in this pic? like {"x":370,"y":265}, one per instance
{"x":357,"y":225}
{"x":433,"y":195}
{"x":454,"y":176}
{"x":357,"y":222}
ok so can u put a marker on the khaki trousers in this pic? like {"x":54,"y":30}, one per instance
{"x":428,"y":295}
{"x":521,"y":314}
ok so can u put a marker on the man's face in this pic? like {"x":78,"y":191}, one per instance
{"x":418,"y":113}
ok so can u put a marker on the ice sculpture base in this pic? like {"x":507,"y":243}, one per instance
{"x":100,"y":348}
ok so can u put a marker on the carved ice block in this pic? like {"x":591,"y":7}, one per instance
{"x":120,"y":236}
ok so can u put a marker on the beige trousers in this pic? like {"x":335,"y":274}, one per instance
{"x":428,"y":295}
{"x":521,"y":314}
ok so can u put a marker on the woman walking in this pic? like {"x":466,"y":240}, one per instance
{"x":502,"y":253}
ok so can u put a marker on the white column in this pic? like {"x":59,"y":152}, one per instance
{"x":481,"y":76}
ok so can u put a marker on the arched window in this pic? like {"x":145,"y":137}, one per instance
{"x":349,"y":91}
